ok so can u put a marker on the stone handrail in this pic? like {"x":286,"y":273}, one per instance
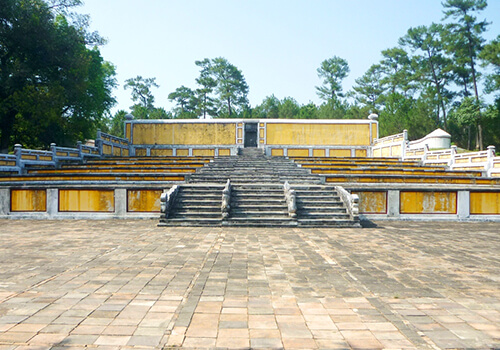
{"x":226,"y":200}
{"x":390,"y":139}
{"x":291,"y":200}
{"x":351,"y":201}
{"x":106,"y":142}
{"x":167,"y":200}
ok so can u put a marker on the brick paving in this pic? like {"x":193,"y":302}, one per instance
{"x":131,"y":285}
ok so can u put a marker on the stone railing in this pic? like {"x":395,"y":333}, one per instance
{"x":483,"y":160}
{"x":226,"y":200}
{"x":167,"y":200}
{"x":351,"y":202}
{"x":291,"y":200}
{"x":8,"y":162}
{"x":110,"y":145}
{"x":390,"y":146}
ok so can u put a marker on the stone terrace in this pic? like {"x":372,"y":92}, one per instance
{"x":130,"y":284}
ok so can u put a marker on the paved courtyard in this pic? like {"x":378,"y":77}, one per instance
{"x":131,"y":285}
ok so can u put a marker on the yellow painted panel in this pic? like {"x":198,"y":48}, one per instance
{"x":240,"y":133}
{"x":47,"y":158}
{"x":162,"y":152}
{"x":374,"y":131}
{"x":117,"y":151}
{"x":496,"y":165}
{"x":204,"y":152}
{"x":318,"y":134}
{"x":3,"y":162}
{"x":372,"y":202}
{"x":361,"y":153}
{"x":127,"y":131}
{"x":28,"y":157}
{"x":340,"y":153}
{"x":28,"y":200}
{"x":125,"y":152}
{"x":143,"y":200}
{"x":185,"y":134}
{"x":106,"y":149}
{"x":462,"y":160}
{"x":261,"y":133}
{"x":87,"y":200}
{"x":319,"y":153}
{"x":182,"y":152}
{"x":224,"y":152}
{"x":386,"y":152}
{"x":62,"y":154}
{"x":479,"y":159}
{"x":277,"y":152}
{"x":484,"y":203}
{"x":300,"y":152}
{"x":428,"y":202}
{"x":141,"y":152}
{"x":377,"y":152}
{"x":396,"y":151}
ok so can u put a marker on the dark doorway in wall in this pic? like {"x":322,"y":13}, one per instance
{"x":250,"y":134}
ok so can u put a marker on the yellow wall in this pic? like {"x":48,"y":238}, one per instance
{"x":361,"y":153}
{"x":319,"y":153}
{"x":485,"y":203}
{"x":87,"y":200}
{"x":299,"y":152}
{"x":144,"y":200}
{"x":340,"y":153}
{"x":204,"y":152}
{"x":318,"y":134}
{"x":162,"y":152}
{"x":428,"y":202}
{"x":182,"y":152}
{"x":372,"y":202}
{"x":185,"y":134}
{"x":277,"y":152}
{"x":28,"y":200}
{"x":224,"y":152}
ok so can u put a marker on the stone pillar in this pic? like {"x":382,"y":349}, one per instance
{"x":52,"y":202}
{"x":4,"y":201}
{"x":393,"y":203}
{"x":463,"y":205}
{"x":120,"y":202}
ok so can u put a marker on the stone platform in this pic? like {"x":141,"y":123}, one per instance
{"x":132,"y":285}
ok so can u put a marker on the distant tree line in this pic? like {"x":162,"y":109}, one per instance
{"x":55,"y":86}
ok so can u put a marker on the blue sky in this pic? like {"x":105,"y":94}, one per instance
{"x":277,"y":44}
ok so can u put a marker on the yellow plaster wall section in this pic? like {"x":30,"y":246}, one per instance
{"x":318,"y":134}
{"x":484,"y":203}
{"x":428,"y":202}
{"x":299,"y":152}
{"x":144,"y":200}
{"x":185,"y":134}
{"x":87,"y":200}
{"x":372,"y":202}
{"x":28,"y":200}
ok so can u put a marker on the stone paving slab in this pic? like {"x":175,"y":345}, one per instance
{"x":131,"y":285}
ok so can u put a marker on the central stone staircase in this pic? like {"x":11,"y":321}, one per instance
{"x":257,"y":197}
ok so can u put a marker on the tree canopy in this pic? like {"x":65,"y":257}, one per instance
{"x":54,"y":84}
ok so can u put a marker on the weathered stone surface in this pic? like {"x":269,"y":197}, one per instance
{"x":124,"y":284}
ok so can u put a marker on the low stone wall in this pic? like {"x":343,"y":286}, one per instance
{"x":436,"y":202}
{"x":81,"y":201}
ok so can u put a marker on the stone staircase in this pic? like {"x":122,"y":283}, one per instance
{"x":257,"y":195}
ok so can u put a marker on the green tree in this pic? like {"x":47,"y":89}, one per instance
{"x":53,"y":88}
{"x":289,"y":108}
{"x":332,"y":71}
{"x":206,"y":103}
{"x":397,"y":71}
{"x":269,"y":108}
{"x":186,"y":101}
{"x":116,"y":124}
{"x":465,"y":42}
{"x":369,"y":90}
{"x":491,"y":57}
{"x":231,"y":88}
{"x":434,"y":68}
{"x":141,"y":91}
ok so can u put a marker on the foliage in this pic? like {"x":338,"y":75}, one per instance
{"x":53,"y":87}
{"x":332,"y":71}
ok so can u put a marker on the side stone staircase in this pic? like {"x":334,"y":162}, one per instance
{"x":257,"y":197}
